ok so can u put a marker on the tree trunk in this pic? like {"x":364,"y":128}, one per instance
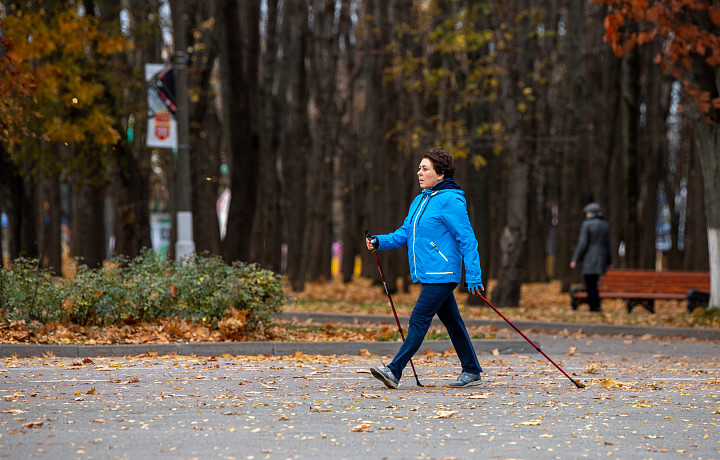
{"x":323,"y":122}
{"x":21,"y":210}
{"x":88,"y":227}
{"x":51,"y":211}
{"x":129,"y":182}
{"x":350,"y":173}
{"x":205,"y":173}
{"x":205,"y":128}
{"x":130,"y":193}
{"x":515,"y":122}
{"x":295,"y":146}
{"x":514,"y":237}
{"x":241,"y":115}
{"x":707,"y":137}
{"x":270,"y":235}
{"x":18,"y":203}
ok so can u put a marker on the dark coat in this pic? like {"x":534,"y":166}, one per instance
{"x":592,"y":253}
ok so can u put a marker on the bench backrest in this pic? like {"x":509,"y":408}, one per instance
{"x":674,"y":282}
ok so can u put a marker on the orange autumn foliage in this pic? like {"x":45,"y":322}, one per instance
{"x":688,"y":30}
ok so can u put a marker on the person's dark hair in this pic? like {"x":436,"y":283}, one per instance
{"x":442,"y":161}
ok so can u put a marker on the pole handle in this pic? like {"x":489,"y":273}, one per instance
{"x":369,"y":236}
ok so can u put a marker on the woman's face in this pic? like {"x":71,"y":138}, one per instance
{"x":427,"y":176}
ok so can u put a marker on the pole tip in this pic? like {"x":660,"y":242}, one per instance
{"x":579,"y":384}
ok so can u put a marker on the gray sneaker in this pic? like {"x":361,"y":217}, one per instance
{"x":385,"y":375}
{"x":466,"y":379}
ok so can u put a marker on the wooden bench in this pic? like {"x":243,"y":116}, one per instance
{"x":643,"y":287}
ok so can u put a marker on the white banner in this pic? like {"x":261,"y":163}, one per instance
{"x":161,"y":126}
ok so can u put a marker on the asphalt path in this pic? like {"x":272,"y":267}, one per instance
{"x":645,"y":399}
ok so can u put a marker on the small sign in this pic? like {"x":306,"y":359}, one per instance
{"x":162,"y":125}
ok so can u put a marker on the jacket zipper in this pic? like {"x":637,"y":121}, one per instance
{"x":414,"y":232}
{"x":438,"y":250}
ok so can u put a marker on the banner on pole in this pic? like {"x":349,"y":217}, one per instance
{"x":162,"y":126}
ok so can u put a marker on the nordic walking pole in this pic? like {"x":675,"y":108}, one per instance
{"x":382,"y":275}
{"x":577,"y":384}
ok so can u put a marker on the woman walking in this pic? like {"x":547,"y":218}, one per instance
{"x":439,"y":238}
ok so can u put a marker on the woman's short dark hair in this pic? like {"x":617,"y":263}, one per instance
{"x":442,"y":161}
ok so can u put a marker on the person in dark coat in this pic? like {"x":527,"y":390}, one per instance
{"x":593,"y":253}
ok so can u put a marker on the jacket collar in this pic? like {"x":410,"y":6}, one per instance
{"x":446,"y":184}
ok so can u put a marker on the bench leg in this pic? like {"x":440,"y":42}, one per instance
{"x":649,"y":304}
{"x":697,"y":299}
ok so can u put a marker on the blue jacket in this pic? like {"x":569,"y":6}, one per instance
{"x":438,"y":236}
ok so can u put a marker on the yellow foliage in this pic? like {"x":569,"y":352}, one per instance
{"x":46,"y":80}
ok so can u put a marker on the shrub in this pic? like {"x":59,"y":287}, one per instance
{"x":144,"y":289}
{"x":95,"y":296}
{"x":147,"y":282}
{"x":29,"y":293}
{"x":208,"y":288}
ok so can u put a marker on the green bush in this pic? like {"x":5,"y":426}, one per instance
{"x":208,"y":288}
{"x":29,"y":293}
{"x":147,"y":282}
{"x":141,"y":290}
{"x":95,"y":296}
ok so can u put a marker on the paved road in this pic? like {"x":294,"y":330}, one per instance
{"x":645,"y":399}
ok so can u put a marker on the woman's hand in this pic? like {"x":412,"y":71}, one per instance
{"x":371,"y":243}
{"x":476,"y":289}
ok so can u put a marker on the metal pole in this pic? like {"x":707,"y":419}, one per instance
{"x":185,"y":245}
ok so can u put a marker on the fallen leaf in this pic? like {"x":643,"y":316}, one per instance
{"x":444,"y":414}
{"x":363,"y":428}
{"x":572,"y":351}
{"x":610,"y":383}
{"x":531,"y":423}
{"x":15,"y":411}
{"x":369,"y":395}
{"x":319,"y":409}
{"x":32,"y":424}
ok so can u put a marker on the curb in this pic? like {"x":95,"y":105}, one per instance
{"x":253,"y":348}
{"x":536,"y":326}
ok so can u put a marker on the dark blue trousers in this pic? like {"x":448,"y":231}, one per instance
{"x":436,"y":299}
